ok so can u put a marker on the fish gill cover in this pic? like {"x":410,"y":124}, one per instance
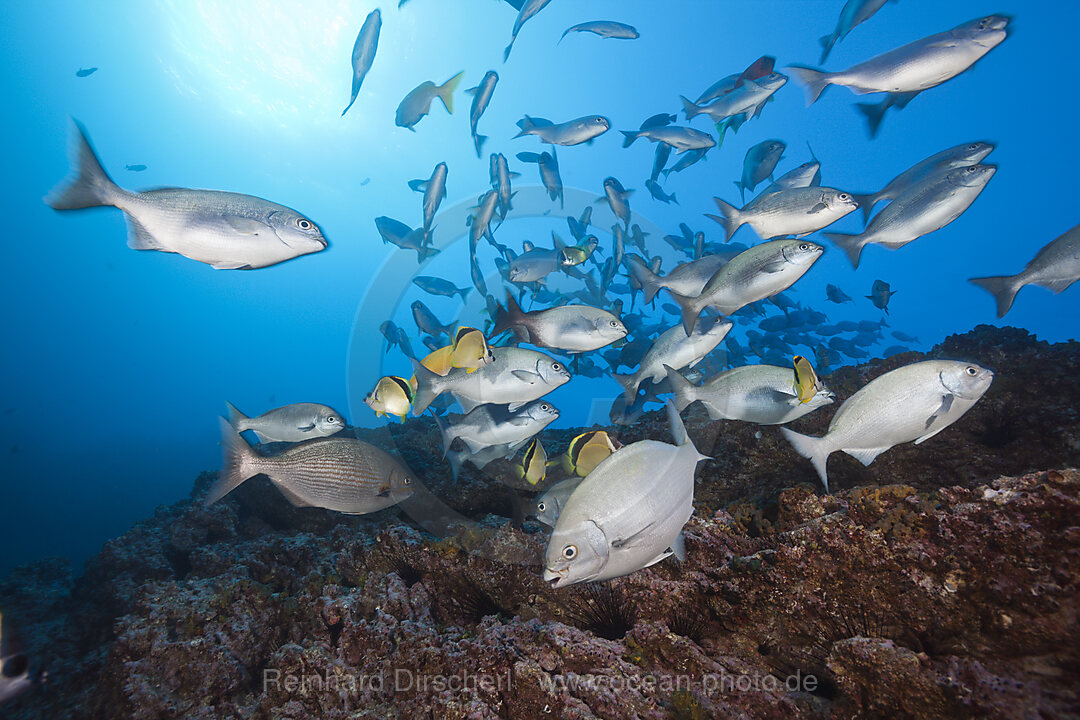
{"x":469,"y":240}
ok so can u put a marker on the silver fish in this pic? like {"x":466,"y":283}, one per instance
{"x":481,"y":97}
{"x":396,"y":336}
{"x":958,"y":156}
{"x":925,"y":207}
{"x":686,"y":279}
{"x":914,"y":402}
{"x":500,"y":183}
{"x":675,"y":136}
{"x":346,"y":475}
{"x":440,"y":286}
{"x":516,"y":376}
{"x":674,"y":349}
{"x":855,"y":13}
{"x":1055,"y":267}
{"x":291,"y":423}
{"x":915,"y":67}
{"x":618,"y":199}
{"x":628,"y":513}
{"x":535,"y":264}
{"x":427,"y":322}
{"x":762,"y":394}
{"x":798,"y":211}
{"x":660,"y":159}
{"x":605,"y":29}
{"x":363,"y":53}
{"x":528,"y":9}
{"x":747,"y":99}
{"x":487,"y":425}
{"x":481,"y":458}
{"x":549,"y":172}
{"x":880,"y":295}
{"x":572,"y":328}
{"x":806,"y":175}
{"x":551,"y":502}
{"x":417,"y":103}
{"x":686,"y":161}
{"x":759,"y":163}
{"x":755,"y":274}
{"x":658,"y":192}
{"x":225,"y":230}
{"x":434,"y":189}
{"x":571,"y":132}
{"x":480,"y":222}
{"x":398,"y":233}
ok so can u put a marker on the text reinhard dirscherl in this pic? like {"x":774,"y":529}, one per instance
{"x":406,"y":680}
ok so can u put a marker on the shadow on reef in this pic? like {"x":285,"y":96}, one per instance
{"x":941,"y":581}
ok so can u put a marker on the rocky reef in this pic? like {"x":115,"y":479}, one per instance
{"x":941,"y":581}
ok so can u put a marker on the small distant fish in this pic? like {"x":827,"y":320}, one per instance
{"x":434,"y":189}
{"x":363,"y":53}
{"x":585,"y":452}
{"x":688,"y":159}
{"x":660,"y":160}
{"x":855,"y":13}
{"x":346,"y":475}
{"x":392,"y":395}
{"x":16,"y":676}
{"x":135,"y":168}
{"x":880,"y":294}
{"x":439,"y":286}
{"x":760,"y":163}
{"x":658,"y":192}
{"x":747,"y":99}
{"x":680,"y":138}
{"x":628,"y":513}
{"x":836,"y":295}
{"x":806,"y":175}
{"x":481,"y":97}
{"x":573,"y":328}
{"x":500,"y":176}
{"x":577,"y":254}
{"x":914,"y":402}
{"x":227,"y":231}
{"x":549,"y":171}
{"x":417,"y":103}
{"x":528,"y":9}
{"x":904,"y":337}
{"x":427,"y":322}
{"x":479,"y":223}
{"x":85,"y":72}
{"x":365,"y":181}
{"x":398,"y":233}
{"x":396,"y":336}
{"x":618,"y":199}
{"x":758,"y":69}
{"x":571,"y":132}
{"x":291,"y":423}
{"x":1055,"y":267}
{"x":605,"y":29}
{"x":532,"y":467}
{"x":550,"y":504}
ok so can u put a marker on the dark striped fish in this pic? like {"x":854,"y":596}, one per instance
{"x":342,"y":474}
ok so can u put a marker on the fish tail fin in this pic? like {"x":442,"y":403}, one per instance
{"x":678,"y":430}
{"x":526,"y":126}
{"x":446,"y":437}
{"x":508,"y":317}
{"x":651,"y":284}
{"x":629,"y":136}
{"x":690,"y":108}
{"x":690,"y":311}
{"x":465,"y":293}
{"x":874,"y":114}
{"x":456,"y":460}
{"x":428,"y":387}
{"x":681,"y":388}
{"x":851,"y":244}
{"x":827,"y":42}
{"x":629,"y":385}
{"x":731,"y":218}
{"x":866,"y":204}
{"x":91,"y":186}
{"x":811,"y":448}
{"x":506,"y":52}
{"x":238,"y":464}
{"x":235,"y":416}
{"x":742,"y":190}
{"x":815,"y":81}
{"x":1003,"y":288}
{"x":478,"y":140}
{"x":446,"y":91}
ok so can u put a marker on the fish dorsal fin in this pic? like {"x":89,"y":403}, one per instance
{"x":527,"y":246}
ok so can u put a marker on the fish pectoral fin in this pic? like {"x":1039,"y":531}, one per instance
{"x":246,"y":226}
{"x":139,"y":238}
{"x":514,"y":407}
{"x":384,"y":490}
{"x":658,"y":558}
{"x":865,"y":455}
{"x":630,"y":539}
{"x":946,"y":403}
{"x":774,"y":267}
{"x":678,"y":548}
{"x":306,"y":428}
{"x":525,"y":376}
{"x":291,"y":496}
{"x":817,"y":208}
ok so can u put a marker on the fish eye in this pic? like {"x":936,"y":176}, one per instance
{"x":972,"y":371}
{"x":804,"y":246}
{"x":304,"y":224}
{"x":331,"y":419}
{"x":556,"y":367}
{"x":406,"y":481}
{"x":545,"y":407}
{"x":569,"y":552}
{"x":614,"y":323}
{"x":973,"y":146}
{"x":541,"y":506}
{"x":844,"y":196}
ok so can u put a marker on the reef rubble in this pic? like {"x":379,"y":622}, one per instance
{"x":941,"y":581}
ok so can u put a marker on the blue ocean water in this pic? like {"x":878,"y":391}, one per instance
{"x":118,"y":361}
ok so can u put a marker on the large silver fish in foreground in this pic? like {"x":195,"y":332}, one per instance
{"x":914,"y":402}
{"x":1055,"y":267}
{"x":227,"y":231}
{"x":628,"y":513}
{"x":363,"y":53}
{"x":346,"y":475}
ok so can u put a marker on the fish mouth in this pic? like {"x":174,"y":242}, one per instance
{"x":554,"y":577}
